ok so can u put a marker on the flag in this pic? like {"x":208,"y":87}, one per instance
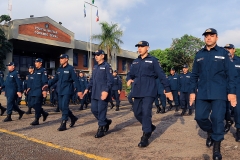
{"x":85,"y":11}
{"x":97,"y":19}
{"x":92,"y":1}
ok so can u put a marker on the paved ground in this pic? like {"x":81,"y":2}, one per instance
{"x":176,"y":137}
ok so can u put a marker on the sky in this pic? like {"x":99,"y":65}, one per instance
{"x":156,"y":21}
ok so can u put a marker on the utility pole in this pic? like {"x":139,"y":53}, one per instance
{"x":10,"y":8}
{"x":90,"y":55}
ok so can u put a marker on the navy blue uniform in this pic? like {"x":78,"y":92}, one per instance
{"x":1,"y":80}
{"x":100,"y":81}
{"x":12,"y":85}
{"x":214,"y":76}
{"x":64,"y":78}
{"x":53,"y":94}
{"x":184,"y":85}
{"x":83,"y":83}
{"x":174,"y":85}
{"x":160,"y":94}
{"x":36,"y":81}
{"x":117,"y":85}
{"x":144,"y":90}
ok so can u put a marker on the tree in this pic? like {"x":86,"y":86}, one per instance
{"x":5,"y":45}
{"x":237,"y":51}
{"x":163,"y":57}
{"x":183,"y":50}
{"x":109,"y":38}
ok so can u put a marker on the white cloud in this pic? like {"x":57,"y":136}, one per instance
{"x":230,"y":36}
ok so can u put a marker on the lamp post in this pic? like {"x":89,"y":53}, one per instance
{"x":90,"y":55}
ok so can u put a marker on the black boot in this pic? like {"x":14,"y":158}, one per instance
{"x":190,"y":112}
{"x":153,"y":128}
{"x":35,"y":122}
{"x":2,"y":109}
{"x":20,"y":112}
{"x":29,"y":111}
{"x":44,"y":100}
{"x":183,"y":112}
{"x":238,"y":135}
{"x":209,"y":141}
{"x":176,"y":108}
{"x":8,"y":118}
{"x":170,"y":107}
{"x":86,"y":106}
{"x":45,"y":115}
{"x":216,"y":150}
{"x":117,"y":108}
{"x":100,"y":132}
{"x":163,"y":111}
{"x":81,"y":107}
{"x":144,"y":139}
{"x":62,"y":126}
{"x":109,"y":121}
{"x":158,"y":109}
{"x":228,"y":126}
{"x":57,"y":109}
{"x":112,"y":105}
{"x":73,"y":120}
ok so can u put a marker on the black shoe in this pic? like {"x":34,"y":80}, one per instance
{"x":228,"y":126}
{"x":29,"y":111}
{"x":81,"y":107}
{"x":35,"y":122}
{"x":109,"y":121}
{"x":183,"y":112}
{"x":209,"y":141}
{"x":153,"y":128}
{"x":62,"y":126}
{"x":73,"y":121}
{"x":20,"y":114}
{"x":216,"y":150}
{"x":144,"y":140}
{"x":163,"y":111}
{"x":158,"y":109}
{"x":2,"y":109}
{"x":117,"y":108}
{"x":238,"y":135}
{"x":190,"y":112}
{"x":45,"y":115}
{"x":100,"y":132}
{"x":170,"y":107}
{"x":176,"y":108}
{"x":86,"y":106}
{"x":57,"y":109}
{"x":112,"y":105}
{"x":8,"y":118}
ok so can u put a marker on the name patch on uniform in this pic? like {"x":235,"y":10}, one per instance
{"x":148,"y":61}
{"x":11,"y":75}
{"x":65,"y":71}
{"x":187,"y":76}
{"x":135,"y":63}
{"x":219,"y":57}
{"x":200,"y":59}
{"x":102,"y":67}
{"x":238,"y":66}
{"x":174,"y":78}
{"x":39,"y":73}
{"x":31,"y":78}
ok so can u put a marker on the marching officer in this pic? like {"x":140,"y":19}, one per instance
{"x":37,"y":85}
{"x":236,"y":61}
{"x":214,"y":77}
{"x":184,"y":83}
{"x":174,"y":83}
{"x":13,"y":90}
{"x":161,"y":96}
{"x":1,"y":84}
{"x":64,"y":78}
{"x":116,"y":90}
{"x":143,"y":73}
{"x":100,"y":84}
{"x":29,"y":79}
{"x":83,"y":83}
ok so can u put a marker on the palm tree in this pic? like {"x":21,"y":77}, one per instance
{"x":109,"y":38}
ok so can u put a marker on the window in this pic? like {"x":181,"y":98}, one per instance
{"x":85,"y":60}
{"x":124,"y":64}
{"x":75,"y":59}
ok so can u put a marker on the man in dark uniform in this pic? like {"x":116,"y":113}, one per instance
{"x":116,"y":90}
{"x":214,"y":77}
{"x":37,"y":83}
{"x":184,"y":83}
{"x":1,"y":84}
{"x":229,"y":122}
{"x":160,"y":96}
{"x":13,"y":90}
{"x":30,"y":79}
{"x":143,"y":73}
{"x":64,"y":78}
{"x":83,"y":83}
{"x":52,"y":91}
{"x":174,"y":83}
{"x":25,"y":89}
{"x":100,"y":84}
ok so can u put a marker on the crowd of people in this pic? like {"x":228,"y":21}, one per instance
{"x":212,"y":87}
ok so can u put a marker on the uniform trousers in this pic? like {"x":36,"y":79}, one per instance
{"x":99,"y":110}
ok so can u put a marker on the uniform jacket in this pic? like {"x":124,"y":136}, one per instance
{"x":83,"y":83}
{"x":174,"y":82}
{"x":160,"y":88}
{"x":144,"y":72}
{"x":101,"y":80}
{"x":184,"y":82}
{"x":64,"y":78}
{"x":117,"y":83}
{"x":213,"y":74}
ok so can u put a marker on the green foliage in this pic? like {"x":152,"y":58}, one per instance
{"x":237,"y":52}
{"x":4,"y":17}
{"x":5,"y":47}
{"x":109,"y":38}
{"x":183,"y":51}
